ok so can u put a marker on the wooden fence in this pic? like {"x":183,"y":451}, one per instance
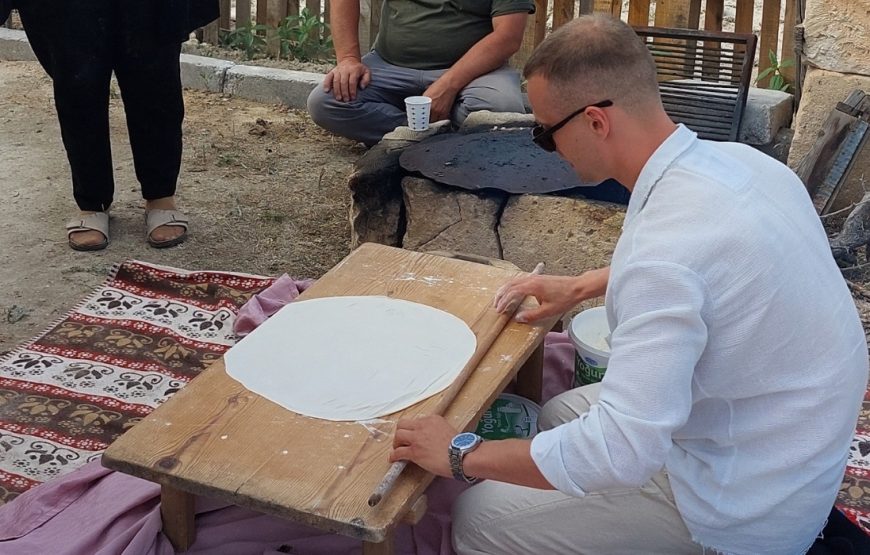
{"x":685,"y":14}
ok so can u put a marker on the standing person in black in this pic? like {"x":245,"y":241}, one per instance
{"x":80,"y":43}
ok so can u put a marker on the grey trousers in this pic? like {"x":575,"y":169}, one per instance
{"x":380,"y":107}
{"x":498,"y":518}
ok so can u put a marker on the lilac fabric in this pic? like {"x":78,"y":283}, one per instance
{"x":268,"y":302}
{"x":95,"y":511}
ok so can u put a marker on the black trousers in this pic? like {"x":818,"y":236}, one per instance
{"x":80,"y":43}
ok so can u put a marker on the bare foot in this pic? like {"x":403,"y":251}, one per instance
{"x":164,"y":232}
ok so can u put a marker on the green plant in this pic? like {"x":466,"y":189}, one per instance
{"x":301,"y":37}
{"x":248,"y":38}
{"x":777,"y":79}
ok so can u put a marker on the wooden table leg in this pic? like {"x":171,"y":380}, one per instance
{"x":177,"y":511}
{"x":530,"y":378}
{"x":412,"y":517}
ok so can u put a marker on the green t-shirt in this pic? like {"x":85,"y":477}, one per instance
{"x":434,"y":34}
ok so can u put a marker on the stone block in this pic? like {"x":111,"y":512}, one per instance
{"x":404,"y":133}
{"x":272,"y":86}
{"x":767,"y":111}
{"x":570,"y":235}
{"x":485,"y":120}
{"x":14,"y":46}
{"x":204,"y":73}
{"x":443,"y":218}
{"x":821,"y":93}
{"x":376,"y":208}
{"x":837,"y":35}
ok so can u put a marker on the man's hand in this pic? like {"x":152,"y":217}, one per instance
{"x":349,"y":75}
{"x":424,"y":441}
{"x":443,"y":96}
{"x":556,"y":295}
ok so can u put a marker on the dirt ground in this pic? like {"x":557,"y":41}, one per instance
{"x":264,"y":198}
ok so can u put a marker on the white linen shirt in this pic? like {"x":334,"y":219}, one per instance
{"x":738,"y":360}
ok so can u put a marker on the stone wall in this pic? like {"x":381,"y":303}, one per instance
{"x":568,"y":233}
{"x":837,"y":49}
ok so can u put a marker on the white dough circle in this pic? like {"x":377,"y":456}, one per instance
{"x":352,"y":358}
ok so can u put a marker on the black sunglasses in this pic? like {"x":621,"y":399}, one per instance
{"x":544,"y":137}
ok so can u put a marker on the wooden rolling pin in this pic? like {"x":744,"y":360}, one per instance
{"x":492,"y":323}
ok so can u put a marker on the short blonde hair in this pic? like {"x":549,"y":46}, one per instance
{"x":595,"y":58}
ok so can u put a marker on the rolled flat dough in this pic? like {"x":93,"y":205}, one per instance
{"x":352,"y":358}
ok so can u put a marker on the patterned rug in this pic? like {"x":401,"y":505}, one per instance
{"x":140,"y":337}
{"x":854,"y":498}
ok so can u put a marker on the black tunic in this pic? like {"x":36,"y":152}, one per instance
{"x":174,"y":19}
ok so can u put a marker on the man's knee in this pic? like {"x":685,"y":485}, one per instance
{"x":319,"y":104}
{"x":567,"y":406}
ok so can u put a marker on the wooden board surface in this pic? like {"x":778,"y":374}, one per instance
{"x":638,"y":13}
{"x":217,"y":439}
{"x":563,"y":12}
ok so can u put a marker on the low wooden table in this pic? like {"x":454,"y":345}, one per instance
{"x":214,"y":438}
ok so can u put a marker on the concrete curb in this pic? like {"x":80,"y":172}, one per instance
{"x":14,"y":46}
{"x":272,"y":86}
{"x":261,"y":84}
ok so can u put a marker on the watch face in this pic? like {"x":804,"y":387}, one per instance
{"x":464,"y":440}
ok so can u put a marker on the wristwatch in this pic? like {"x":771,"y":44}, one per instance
{"x":460,"y":446}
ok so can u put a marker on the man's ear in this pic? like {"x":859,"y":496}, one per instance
{"x":599,"y":121}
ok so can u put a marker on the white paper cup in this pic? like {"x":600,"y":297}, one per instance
{"x":418,"y":108}
{"x":589,"y":332}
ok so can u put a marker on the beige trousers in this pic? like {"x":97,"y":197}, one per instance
{"x":498,"y":518}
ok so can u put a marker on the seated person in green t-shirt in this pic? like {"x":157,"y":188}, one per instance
{"x":453,"y":51}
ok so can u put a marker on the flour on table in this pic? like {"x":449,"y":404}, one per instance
{"x":352,"y":358}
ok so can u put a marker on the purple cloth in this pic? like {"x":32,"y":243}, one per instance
{"x":268,"y":302}
{"x":95,"y":511}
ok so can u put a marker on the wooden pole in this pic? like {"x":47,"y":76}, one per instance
{"x":713,"y":22}
{"x":243,"y":13}
{"x":210,"y":33}
{"x":519,"y":59}
{"x":788,"y":53}
{"x":276,"y":11}
{"x":313,"y":7}
{"x":672,"y":13}
{"x":613,"y":7}
{"x":563,"y":12}
{"x":493,"y":324}
{"x":224,"y":19}
{"x":742,"y":24}
{"x":769,"y":37}
{"x":489,"y":334}
{"x":713,"y":16}
{"x":638,"y":13}
{"x":540,"y":20}
{"x":263,"y":11}
{"x":743,"y":16}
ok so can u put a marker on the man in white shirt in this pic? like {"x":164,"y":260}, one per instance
{"x":738,"y":361}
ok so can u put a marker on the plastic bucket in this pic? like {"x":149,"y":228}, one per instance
{"x":510,"y":416}
{"x":589,"y":331}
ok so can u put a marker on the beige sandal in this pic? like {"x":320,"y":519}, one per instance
{"x":98,"y":221}
{"x":158,"y":217}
